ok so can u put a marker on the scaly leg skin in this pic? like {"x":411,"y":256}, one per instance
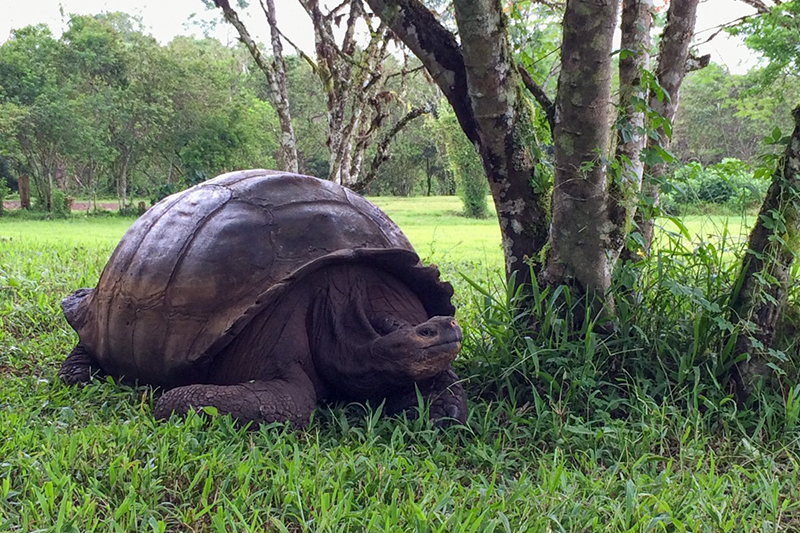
{"x":444,"y":395}
{"x":79,"y":367}
{"x":287,"y":399}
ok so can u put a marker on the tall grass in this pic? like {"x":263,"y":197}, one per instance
{"x":568,"y":430}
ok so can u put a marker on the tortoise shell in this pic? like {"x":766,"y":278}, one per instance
{"x":192,"y":271}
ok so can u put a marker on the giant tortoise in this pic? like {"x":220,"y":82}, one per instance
{"x":262,"y":293}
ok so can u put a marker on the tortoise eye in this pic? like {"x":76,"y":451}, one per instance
{"x":385,"y":325}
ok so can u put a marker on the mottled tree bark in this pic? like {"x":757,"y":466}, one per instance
{"x":764,"y":276}
{"x":580,"y":236}
{"x":356,"y":95}
{"x":631,"y":139}
{"x":275,"y":73}
{"x":280,"y":92}
{"x":672,"y":56}
{"x":504,"y":126}
{"x":335,"y":74}
{"x":481,"y":82}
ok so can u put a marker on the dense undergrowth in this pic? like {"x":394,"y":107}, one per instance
{"x":568,"y":430}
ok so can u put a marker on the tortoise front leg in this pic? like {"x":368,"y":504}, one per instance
{"x":443,"y":393}
{"x":79,"y":367}
{"x":261,"y":401}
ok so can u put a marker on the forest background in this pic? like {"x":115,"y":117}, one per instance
{"x":106,"y":111}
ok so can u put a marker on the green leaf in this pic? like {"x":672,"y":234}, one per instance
{"x":210,"y":410}
{"x":681,"y":227}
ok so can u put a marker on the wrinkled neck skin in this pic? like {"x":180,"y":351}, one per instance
{"x":371,"y":336}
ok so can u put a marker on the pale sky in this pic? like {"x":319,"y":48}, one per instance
{"x":167,"y":18}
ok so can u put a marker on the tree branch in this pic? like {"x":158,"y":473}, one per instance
{"x":436,"y":47}
{"x":694,"y":62}
{"x":758,"y":5}
{"x":233,"y":18}
{"x":539,"y":94}
{"x":300,"y":52}
{"x":382,"y":150}
{"x":723,"y":27}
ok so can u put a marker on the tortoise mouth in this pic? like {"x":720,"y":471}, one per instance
{"x":442,"y":353}
{"x":434,"y":359}
{"x":442,"y":345}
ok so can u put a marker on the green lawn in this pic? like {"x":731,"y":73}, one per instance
{"x":93,"y":458}
{"x":77,"y":230}
{"x":434,"y":226}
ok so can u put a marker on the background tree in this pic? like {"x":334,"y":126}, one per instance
{"x":310,"y":117}
{"x":219,"y":122}
{"x":37,"y":100}
{"x":357,"y":119}
{"x":724,"y":115}
{"x":465,"y":167}
{"x":122,"y":72}
{"x":105,"y":108}
{"x":275,"y":72}
{"x":761,"y":291}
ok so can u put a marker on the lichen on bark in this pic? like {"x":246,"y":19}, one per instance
{"x":580,"y":224}
{"x":625,"y":183}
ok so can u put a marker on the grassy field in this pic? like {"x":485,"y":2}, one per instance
{"x":434,"y":226}
{"x":93,"y":459}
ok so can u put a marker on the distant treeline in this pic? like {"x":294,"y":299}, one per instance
{"x":105,"y":110}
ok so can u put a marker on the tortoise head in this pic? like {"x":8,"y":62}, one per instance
{"x":370,"y":333}
{"x":415,"y":352}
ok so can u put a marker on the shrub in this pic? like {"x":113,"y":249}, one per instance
{"x":4,"y":191}
{"x":466,"y":168}
{"x":714,"y":188}
{"x":729,"y":183}
{"x":61,"y":206}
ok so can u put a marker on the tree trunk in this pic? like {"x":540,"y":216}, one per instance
{"x":281,"y":95}
{"x":24,"y":185}
{"x":672,"y":56}
{"x":275,"y":75}
{"x":48,"y":191}
{"x":504,"y":128}
{"x":428,"y":176}
{"x":631,"y":138}
{"x":122,"y":181}
{"x":60,"y":175}
{"x":764,"y":277}
{"x":44,"y":184}
{"x":581,"y":229}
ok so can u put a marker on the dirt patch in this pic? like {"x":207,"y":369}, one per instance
{"x":15,"y":372}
